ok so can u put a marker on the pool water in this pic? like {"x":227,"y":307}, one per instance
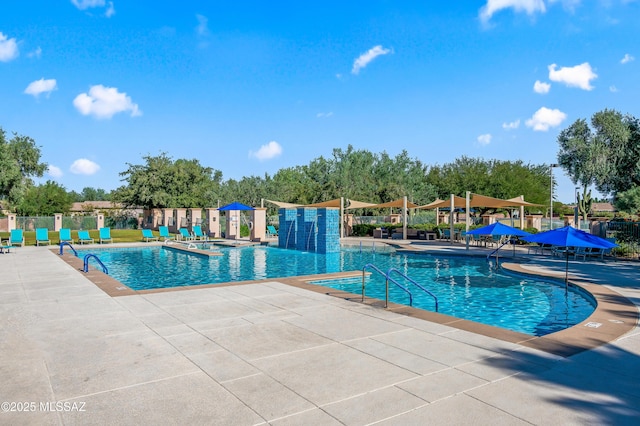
{"x":467,"y":288}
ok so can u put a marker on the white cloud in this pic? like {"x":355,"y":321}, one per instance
{"x":613,"y":89}
{"x":512,"y":125}
{"x":363,"y":60}
{"x":484,"y":139}
{"x":202,"y":28}
{"x":54,"y":171}
{"x":541,"y":87}
{"x":35,"y":88}
{"x":8,"y":48}
{"x":578,"y":76}
{"x":105,"y":102}
{"x":36,"y":53}
{"x":86,"y":4}
{"x":82,"y":166}
{"x":545,"y":118}
{"x":530,"y":7}
{"x":110,"y":10}
{"x":626,"y":59}
{"x":267,"y":152}
{"x":324,"y":114}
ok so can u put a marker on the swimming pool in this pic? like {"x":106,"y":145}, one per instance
{"x":466,"y":287}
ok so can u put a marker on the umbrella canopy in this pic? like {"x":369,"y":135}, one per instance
{"x":570,"y":237}
{"x":236,"y":206}
{"x":499,"y":229}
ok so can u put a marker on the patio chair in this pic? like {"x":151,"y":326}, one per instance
{"x":16,"y":238}
{"x":105,"y":235}
{"x":84,"y":237}
{"x":272,"y":231}
{"x":164,"y":232}
{"x":198,"y":234}
{"x":64,"y":235}
{"x":42,"y":236}
{"x":147,"y":235}
{"x":185,"y":235}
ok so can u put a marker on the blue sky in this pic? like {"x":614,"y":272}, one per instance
{"x":254,"y":87}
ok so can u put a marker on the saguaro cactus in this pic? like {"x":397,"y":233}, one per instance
{"x":584,"y":204}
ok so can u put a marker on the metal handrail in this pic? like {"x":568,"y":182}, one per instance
{"x":499,"y":247}
{"x":86,"y":263}
{"x":66,"y":243}
{"x":435,"y":298}
{"x":386,"y":284}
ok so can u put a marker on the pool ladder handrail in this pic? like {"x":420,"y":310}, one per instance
{"x":94,"y":256}
{"x":421,"y":287}
{"x":66,"y":243}
{"x":386,"y":284}
{"x":499,"y":247}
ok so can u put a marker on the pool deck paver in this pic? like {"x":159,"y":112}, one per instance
{"x":272,"y":353}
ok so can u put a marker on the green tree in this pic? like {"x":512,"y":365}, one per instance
{"x":629,"y":201}
{"x":19,"y":163}
{"x":161,"y":183}
{"x":606,"y":155}
{"x":45,"y":200}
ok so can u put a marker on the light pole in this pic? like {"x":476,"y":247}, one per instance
{"x":551,"y":166}
{"x":577,"y":217}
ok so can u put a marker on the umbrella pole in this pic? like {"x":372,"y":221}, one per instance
{"x":566,"y":271}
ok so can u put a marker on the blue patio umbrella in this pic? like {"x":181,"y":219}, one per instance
{"x":570,"y":237}
{"x":236,"y":206}
{"x":498,"y":229}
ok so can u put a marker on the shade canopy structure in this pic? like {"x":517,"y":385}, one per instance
{"x":499,"y":229}
{"x":570,"y":237}
{"x":439,"y":204}
{"x":235,"y":206}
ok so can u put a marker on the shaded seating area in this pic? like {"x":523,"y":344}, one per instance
{"x":42,"y":236}
{"x":84,"y":237}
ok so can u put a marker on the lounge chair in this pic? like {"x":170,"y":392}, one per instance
{"x":272,"y":231}
{"x":164,"y":232}
{"x":198,"y":234}
{"x":16,"y":238}
{"x":84,"y":237}
{"x":147,"y":235}
{"x":42,"y":236}
{"x":65,"y":235}
{"x":184,"y":233}
{"x":105,"y":235}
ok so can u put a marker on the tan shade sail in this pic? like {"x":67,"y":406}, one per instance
{"x":330,"y":203}
{"x":353,"y":204}
{"x":439,"y":204}
{"x":396,"y":203}
{"x":523,"y":203}
{"x":283,"y":205}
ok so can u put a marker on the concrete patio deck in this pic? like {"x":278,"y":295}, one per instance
{"x":271,"y":353}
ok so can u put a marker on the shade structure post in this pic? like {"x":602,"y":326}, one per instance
{"x":466,"y":218}
{"x":341,"y":217}
{"x":404,"y":217}
{"x":451,"y":227}
{"x":522,"y":213}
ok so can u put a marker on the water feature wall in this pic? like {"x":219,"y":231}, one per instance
{"x":310,"y":229}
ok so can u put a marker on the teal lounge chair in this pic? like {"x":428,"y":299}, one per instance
{"x":16,"y":238}
{"x":147,"y":235}
{"x":198,"y":234}
{"x":42,"y":236}
{"x":84,"y":237}
{"x":184,"y":233}
{"x":65,"y":235}
{"x":164,"y":232}
{"x":105,"y":235}
{"x":272,"y":231}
